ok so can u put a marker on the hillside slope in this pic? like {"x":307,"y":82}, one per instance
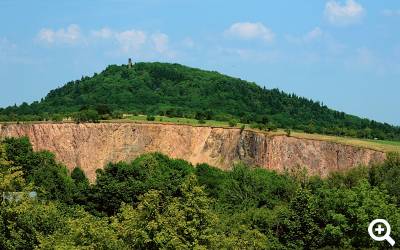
{"x":176,"y":90}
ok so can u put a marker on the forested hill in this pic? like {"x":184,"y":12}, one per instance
{"x":176,"y":90}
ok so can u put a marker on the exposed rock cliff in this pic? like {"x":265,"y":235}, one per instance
{"x":91,"y":146}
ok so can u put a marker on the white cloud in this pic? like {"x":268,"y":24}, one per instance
{"x":103,"y":33}
{"x":6,"y":45}
{"x":365,"y":59}
{"x":70,"y":35}
{"x":131,"y":40}
{"x":136,"y":41}
{"x":309,"y":37}
{"x":160,"y":41}
{"x":250,"y":31}
{"x":140,"y":42}
{"x":313,"y":35}
{"x":343,"y":14}
{"x":161,"y":45}
{"x":391,"y":13}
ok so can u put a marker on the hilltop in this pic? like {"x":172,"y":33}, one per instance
{"x":178,"y":91}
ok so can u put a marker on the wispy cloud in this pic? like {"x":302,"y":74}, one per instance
{"x":136,"y":41}
{"x":343,"y":14}
{"x":160,"y":41}
{"x":250,"y":31}
{"x":70,"y":35}
{"x":125,"y":42}
{"x":131,"y":40}
{"x":308,"y":37}
{"x":103,"y":33}
{"x":366,"y":59}
{"x":11,"y":53}
{"x":364,"y":56}
{"x":6,"y":48}
{"x":188,"y":43}
{"x":252,"y":55}
{"x":6,"y":45}
{"x":128,"y":40}
{"x":391,"y":13}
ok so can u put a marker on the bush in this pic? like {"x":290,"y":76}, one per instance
{"x":117,"y":115}
{"x":271,"y":127}
{"x":106,"y":117}
{"x":56,"y":118}
{"x":257,"y":126}
{"x":232,"y":123}
{"x":87,"y":115}
{"x":150,"y":118}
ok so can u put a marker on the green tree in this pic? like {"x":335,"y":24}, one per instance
{"x":184,"y":222}
{"x":300,"y":223}
{"x":245,"y":187}
{"x":348,"y":212}
{"x":150,"y":118}
{"x":122,"y":182}
{"x":232,"y":123}
{"x":83,"y":231}
{"x":81,"y":186}
{"x":87,"y":115}
{"x":25,"y":222}
{"x":11,"y":177}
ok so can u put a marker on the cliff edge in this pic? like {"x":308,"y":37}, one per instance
{"x":92,"y":146}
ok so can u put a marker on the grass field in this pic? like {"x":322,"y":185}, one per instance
{"x":188,"y":121}
{"x":380,"y":145}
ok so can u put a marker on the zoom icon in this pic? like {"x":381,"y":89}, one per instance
{"x":379,"y":233}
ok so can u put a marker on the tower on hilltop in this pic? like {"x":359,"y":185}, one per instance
{"x":129,"y":63}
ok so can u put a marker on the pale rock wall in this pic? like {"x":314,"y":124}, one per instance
{"x":92,"y":146}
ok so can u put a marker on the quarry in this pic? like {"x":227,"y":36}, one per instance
{"x":92,"y":145}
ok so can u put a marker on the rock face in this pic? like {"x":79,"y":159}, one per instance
{"x":92,"y":146}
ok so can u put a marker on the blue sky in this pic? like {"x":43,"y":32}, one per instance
{"x":344,"y":53}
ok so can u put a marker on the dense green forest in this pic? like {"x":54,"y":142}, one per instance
{"x":155,"y":202}
{"x":179,"y":91}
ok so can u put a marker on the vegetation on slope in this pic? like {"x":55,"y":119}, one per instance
{"x":156,"y":202}
{"x":178,"y":91}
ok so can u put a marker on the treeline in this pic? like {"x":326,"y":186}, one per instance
{"x":84,"y":114}
{"x":178,"y":91}
{"x":155,"y":202}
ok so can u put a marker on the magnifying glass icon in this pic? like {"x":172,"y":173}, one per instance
{"x":379,"y":230}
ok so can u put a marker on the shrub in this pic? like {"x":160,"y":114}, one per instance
{"x":150,"y":118}
{"x":117,"y":115}
{"x":56,"y":118}
{"x":271,"y":127}
{"x":106,"y":117}
{"x":87,"y":115}
{"x":232,"y":123}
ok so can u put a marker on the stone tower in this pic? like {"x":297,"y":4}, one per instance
{"x":129,"y":63}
